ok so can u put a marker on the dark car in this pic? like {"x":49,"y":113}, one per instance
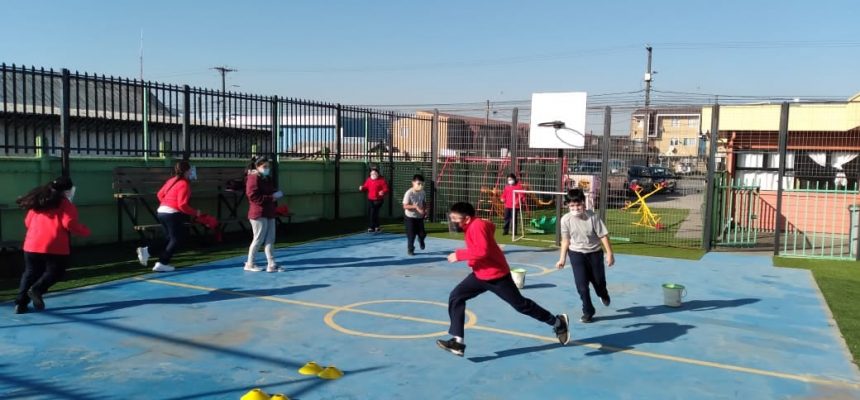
{"x":641,"y":176}
{"x":659,"y":175}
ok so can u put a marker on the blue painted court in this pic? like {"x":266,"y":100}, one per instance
{"x":746,"y":330}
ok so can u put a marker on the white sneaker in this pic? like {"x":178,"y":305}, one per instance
{"x":159,"y":267}
{"x":252,"y":268}
{"x":143,"y":255}
{"x":274,"y":268}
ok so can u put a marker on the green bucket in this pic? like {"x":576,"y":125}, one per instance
{"x":673,"y":293}
{"x":519,"y":276}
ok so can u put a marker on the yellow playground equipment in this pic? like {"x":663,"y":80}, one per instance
{"x":491,"y":202}
{"x":648,"y":218}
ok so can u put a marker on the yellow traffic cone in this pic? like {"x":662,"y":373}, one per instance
{"x":280,"y":396}
{"x":310,"y":368}
{"x":331,"y":373}
{"x":256,"y":394}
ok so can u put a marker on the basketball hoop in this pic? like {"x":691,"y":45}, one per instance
{"x":558,"y":120}
{"x":559,"y":125}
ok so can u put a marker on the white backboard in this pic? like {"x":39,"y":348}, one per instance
{"x":568,"y":108}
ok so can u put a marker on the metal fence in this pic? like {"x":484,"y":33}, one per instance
{"x":688,"y":175}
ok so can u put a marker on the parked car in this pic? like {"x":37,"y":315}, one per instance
{"x":662,"y":174}
{"x":639,"y":175}
{"x":586,"y":175}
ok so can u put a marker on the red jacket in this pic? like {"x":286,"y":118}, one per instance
{"x":261,"y":203}
{"x":373,"y":187}
{"x":48,"y":230}
{"x":508,"y":195}
{"x":482,"y":252}
{"x":175,"y":194}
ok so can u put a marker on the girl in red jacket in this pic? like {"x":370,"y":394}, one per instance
{"x":173,"y":212}
{"x":262,"y":195}
{"x":51,"y":217}
{"x":376,"y":189}
{"x":510,"y":200}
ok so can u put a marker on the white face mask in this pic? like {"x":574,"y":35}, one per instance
{"x":192,"y":174}
{"x":510,"y":181}
{"x":374,"y":176}
{"x":70,"y":194}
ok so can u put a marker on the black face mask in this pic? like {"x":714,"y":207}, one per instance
{"x":453,"y":226}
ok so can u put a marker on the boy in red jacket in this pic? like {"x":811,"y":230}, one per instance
{"x":490,"y":271}
{"x":51,"y":217}
{"x":376,"y":189}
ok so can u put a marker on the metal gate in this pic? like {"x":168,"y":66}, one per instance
{"x":740,"y":215}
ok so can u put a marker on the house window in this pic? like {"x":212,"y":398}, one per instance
{"x":826,"y":170}
{"x":689,"y":141}
{"x":404,"y":132}
{"x":676,"y":122}
{"x":693,"y":123}
{"x":750,"y":160}
{"x":773,"y":161}
{"x":674,"y":142}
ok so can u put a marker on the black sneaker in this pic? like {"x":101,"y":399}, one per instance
{"x":378,"y":229}
{"x":370,"y":230}
{"x":38,"y":302}
{"x":452,"y":346}
{"x":421,"y":244}
{"x":561,"y":331}
{"x":20,"y":308}
{"x":586,"y":319}
{"x":410,"y":252}
{"x":606,"y":301}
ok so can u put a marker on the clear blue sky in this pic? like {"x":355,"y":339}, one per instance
{"x":394,"y":52}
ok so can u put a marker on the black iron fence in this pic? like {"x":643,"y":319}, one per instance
{"x":649,"y":171}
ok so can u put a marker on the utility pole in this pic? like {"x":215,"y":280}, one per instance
{"x":648,"y":77}
{"x":223,"y":70}
{"x":487,"y":121}
{"x":141,"y":55}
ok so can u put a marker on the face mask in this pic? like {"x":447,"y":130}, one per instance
{"x":374,"y":176}
{"x":265,"y":171}
{"x":510,"y":182}
{"x":191,"y":174}
{"x":70,"y":194}
{"x":456,"y":227}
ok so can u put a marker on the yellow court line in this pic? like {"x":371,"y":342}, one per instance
{"x":592,"y":345}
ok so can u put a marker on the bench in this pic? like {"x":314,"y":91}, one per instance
{"x":135,"y":190}
{"x":7,"y":244}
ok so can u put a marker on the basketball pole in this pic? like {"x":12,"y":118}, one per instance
{"x":560,"y":187}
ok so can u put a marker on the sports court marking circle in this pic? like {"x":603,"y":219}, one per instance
{"x":543,"y":270}
{"x":471,"y":319}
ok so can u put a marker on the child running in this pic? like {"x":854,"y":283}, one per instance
{"x":490,"y":271}
{"x":261,"y":193}
{"x":582,"y":234}
{"x":415,"y":208}
{"x":173,"y":212}
{"x":50,"y":218}
{"x":376,"y":188}
{"x":511,"y":201}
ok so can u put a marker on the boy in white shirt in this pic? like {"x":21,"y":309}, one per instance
{"x":582,"y":234}
{"x":415,"y":208}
